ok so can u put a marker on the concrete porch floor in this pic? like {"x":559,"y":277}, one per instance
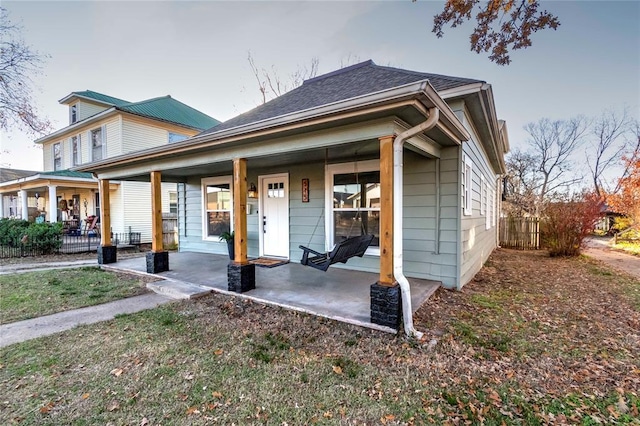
{"x":339,"y":294}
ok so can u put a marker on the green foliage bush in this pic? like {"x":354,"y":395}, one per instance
{"x":44,"y":237}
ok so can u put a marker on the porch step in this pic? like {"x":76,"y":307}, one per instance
{"x":179,"y":289}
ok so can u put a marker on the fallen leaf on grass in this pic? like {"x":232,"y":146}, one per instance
{"x":218,"y":352}
{"x":193,"y":410}
{"x":216,"y":394}
{"x":47,"y":407}
{"x":117,"y":372}
{"x":86,"y":395}
{"x":337,"y":369}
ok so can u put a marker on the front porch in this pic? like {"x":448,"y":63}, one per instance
{"x":339,"y":294}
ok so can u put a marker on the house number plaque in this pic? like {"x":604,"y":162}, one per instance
{"x":305,"y":190}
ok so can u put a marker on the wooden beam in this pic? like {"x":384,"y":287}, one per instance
{"x":386,"y":211}
{"x":240,"y":210}
{"x":156,"y":212}
{"x":105,"y":213}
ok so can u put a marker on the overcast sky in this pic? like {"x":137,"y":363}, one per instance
{"x":197,"y":53}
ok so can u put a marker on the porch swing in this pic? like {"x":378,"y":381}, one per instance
{"x":343,"y":250}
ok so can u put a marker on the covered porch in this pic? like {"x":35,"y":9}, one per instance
{"x":338,"y":294}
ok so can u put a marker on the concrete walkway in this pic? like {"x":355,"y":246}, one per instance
{"x":29,"y":267}
{"x":599,"y":249}
{"x":43,"y":326}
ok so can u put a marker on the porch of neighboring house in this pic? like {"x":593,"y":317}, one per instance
{"x":338,"y":294}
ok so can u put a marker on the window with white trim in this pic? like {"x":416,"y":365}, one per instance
{"x":483,"y":196}
{"x":354,"y":202}
{"x":493,"y":208}
{"x":173,"y":202}
{"x":97,"y":144}
{"x":76,"y":142}
{"x":57,"y":156}
{"x":73,"y":113}
{"x":467,"y":174}
{"x":217,"y":203}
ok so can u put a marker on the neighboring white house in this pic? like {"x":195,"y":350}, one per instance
{"x":101,"y":127}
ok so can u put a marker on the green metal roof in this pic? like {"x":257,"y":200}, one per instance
{"x":168,"y":109}
{"x":68,"y":173}
{"x":101,"y":97}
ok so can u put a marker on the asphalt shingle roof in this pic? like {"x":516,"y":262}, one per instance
{"x":350,"y":82}
{"x":7,"y":175}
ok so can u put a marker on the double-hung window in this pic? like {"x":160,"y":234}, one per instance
{"x":97,"y":145}
{"x":173,"y":202}
{"x":217,"y":200}
{"x":467,"y":174}
{"x":76,"y":141}
{"x":57,"y":156}
{"x":353,"y":201}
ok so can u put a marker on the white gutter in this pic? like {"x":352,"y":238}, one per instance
{"x":398,"y":145}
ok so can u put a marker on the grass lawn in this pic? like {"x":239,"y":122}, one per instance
{"x":532,"y":340}
{"x":33,"y":294}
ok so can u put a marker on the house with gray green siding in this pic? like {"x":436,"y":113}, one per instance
{"x":411,"y":157}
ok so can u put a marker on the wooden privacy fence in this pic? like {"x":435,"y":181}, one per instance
{"x":169,"y":230}
{"x":520,"y":232}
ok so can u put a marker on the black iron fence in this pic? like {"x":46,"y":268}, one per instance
{"x":66,"y":243}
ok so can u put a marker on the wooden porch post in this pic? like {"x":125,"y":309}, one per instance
{"x":240,"y":210}
{"x":386,"y":211}
{"x":106,"y":252}
{"x":105,"y":213}
{"x":386,"y":298}
{"x":156,"y":212}
{"x":157,"y":259}
{"x":241,"y":274}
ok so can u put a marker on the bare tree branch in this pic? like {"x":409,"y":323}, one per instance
{"x":18,"y":63}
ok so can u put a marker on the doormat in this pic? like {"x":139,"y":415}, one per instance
{"x":268,"y":263}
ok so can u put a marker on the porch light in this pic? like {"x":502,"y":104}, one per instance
{"x":253,"y":191}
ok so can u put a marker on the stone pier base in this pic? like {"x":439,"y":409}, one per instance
{"x":157,"y":262}
{"x":386,"y":305}
{"x":107,"y":254}
{"x":241,"y":277}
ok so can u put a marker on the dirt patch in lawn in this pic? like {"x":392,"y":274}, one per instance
{"x":531,"y":340}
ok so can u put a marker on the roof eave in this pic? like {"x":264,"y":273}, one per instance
{"x":89,"y":120}
{"x":421,"y":89}
{"x":44,"y":177}
{"x":66,"y":100}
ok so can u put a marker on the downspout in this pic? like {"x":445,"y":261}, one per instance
{"x":398,"y":145}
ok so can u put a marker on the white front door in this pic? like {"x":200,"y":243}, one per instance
{"x":274,"y":215}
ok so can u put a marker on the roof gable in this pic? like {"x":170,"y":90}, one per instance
{"x":350,"y":82}
{"x":99,"y":97}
